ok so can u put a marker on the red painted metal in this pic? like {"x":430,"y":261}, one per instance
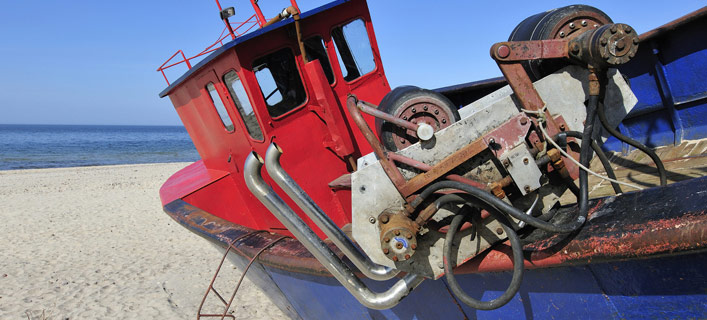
{"x":317,"y":134}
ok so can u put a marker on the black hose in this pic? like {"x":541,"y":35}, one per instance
{"x":517,"y":266}
{"x":585,"y":155}
{"x":602,"y":157}
{"x":638,"y":145}
{"x":499,"y":205}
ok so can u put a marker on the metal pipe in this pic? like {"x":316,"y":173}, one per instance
{"x":340,"y":271}
{"x":283,"y":179}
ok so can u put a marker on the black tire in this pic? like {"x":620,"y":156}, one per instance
{"x":434,"y":109}
{"x":554,"y":24}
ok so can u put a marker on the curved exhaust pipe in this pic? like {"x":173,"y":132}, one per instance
{"x":340,"y":271}
{"x":283,"y":179}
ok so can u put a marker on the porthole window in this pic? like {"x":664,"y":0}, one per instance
{"x":220,"y":109}
{"x":279,"y":82}
{"x":353,"y":50}
{"x":240,"y":100}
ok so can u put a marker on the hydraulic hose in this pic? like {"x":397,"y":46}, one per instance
{"x":517,"y":265}
{"x":602,"y":157}
{"x":638,"y":145}
{"x":585,"y":155}
{"x":499,"y":205}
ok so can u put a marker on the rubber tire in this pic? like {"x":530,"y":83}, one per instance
{"x":397,"y":98}
{"x":540,"y":27}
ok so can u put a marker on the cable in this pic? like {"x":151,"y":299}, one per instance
{"x":499,"y":205}
{"x":547,"y":136}
{"x":638,"y":145}
{"x":516,"y":280}
{"x":602,"y":157}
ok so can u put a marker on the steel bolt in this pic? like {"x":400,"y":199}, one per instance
{"x":627,"y":29}
{"x":408,"y":235}
{"x":395,"y":258}
{"x":492,"y":141}
{"x":525,"y":160}
{"x":407,"y":256}
{"x":596,"y":26}
{"x":436,"y":111}
{"x":402,"y":140}
{"x":413,"y":246}
{"x":604,"y":41}
{"x":562,"y":127}
{"x":405,"y":117}
{"x":413,"y":110}
{"x":425,"y":108}
{"x":523,"y":121}
{"x":571,"y":25}
{"x":397,"y":232}
{"x":386,"y":239}
{"x":386,"y":250}
{"x":584,"y":23}
{"x":384,"y":218}
{"x":371,"y":219}
{"x":613,"y":29}
{"x":503,"y":51}
{"x":506,"y":163}
{"x":444,"y":120}
{"x":635,"y":40}
{"x":499,"y":230}
{"x":399,"y":245}
{"x":527,"y":189}
{"x":562,"y":34}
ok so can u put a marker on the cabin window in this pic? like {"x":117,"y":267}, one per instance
{"x":240,"y":100}
{"x":316,"y":50}
{"x":353,"y":49}
{"x":220,"y":109}
{"x":279,"y":82}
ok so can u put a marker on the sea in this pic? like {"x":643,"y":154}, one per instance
{"x":53,"y":146}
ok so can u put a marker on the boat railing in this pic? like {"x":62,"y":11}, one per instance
{"x":231,"y":29}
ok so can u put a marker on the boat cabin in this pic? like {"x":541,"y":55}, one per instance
{"x":258,"y":89}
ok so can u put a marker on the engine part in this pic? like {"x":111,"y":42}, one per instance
{"x":415,"y":105}
{"x":560,"y":23}
{"x":608,"y":45}
{"x":398,"y":235}
{"x":370,"y":193}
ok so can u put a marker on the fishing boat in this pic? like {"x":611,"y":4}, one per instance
{"x":572,"y":187}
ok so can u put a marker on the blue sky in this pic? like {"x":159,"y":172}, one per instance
{"x":93,"y":62}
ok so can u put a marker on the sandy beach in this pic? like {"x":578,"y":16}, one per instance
{"x":93,"y":243}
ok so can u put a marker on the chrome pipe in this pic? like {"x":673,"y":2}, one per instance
{"x":335,"y":234}
{"x":340,"y":271}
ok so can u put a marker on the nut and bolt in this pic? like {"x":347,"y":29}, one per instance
{"x":562,"y":127}
{"x":525,"y":161}
{"x":386,"y":250}
{"x":414,"y":110}
{"x":627,"y":29}
{"x":506,"y":163}
{"x":395,"y":258}
{"x":575,"y":48}
{"x":604,"y":41}
{"x":413,"y":246}
{"x":584,"y":23}
{"x":503,"y":51}
{"x":444,"y":120}
{"x":371,"y":219}
{"x":613,"y":29}
{"x":396,"y":232}
{"x":386,"y":239}
{"x":492,"y":141}
{"x":399,"y":245}
{"x":405,"y":117}
{"x":408,"y":235}
{"x":527,"y":189}
{"x":562,"y":34}
{"x":384,"y":218}
{"x":424,"y":108}
{"x":402,"y":140}
{"x":407,"y":256}
{"x":572,"y":25}
{"x":523,"y":121}
{"x":499,"y":230}
{"x":440,"y":265}
{"x":436,"y":111}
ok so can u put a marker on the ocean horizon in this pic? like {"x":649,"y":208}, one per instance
{"x":33,"y":146}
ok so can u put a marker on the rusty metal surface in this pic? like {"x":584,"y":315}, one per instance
{"x":655,"y":222}
{"x":530,"y":50}
{"x":388,"y":165}
{"x":670,"y":26}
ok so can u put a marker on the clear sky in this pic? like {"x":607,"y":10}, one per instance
{"x":93,"y":62}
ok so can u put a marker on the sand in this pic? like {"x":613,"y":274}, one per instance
{"x":93,"y":243}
